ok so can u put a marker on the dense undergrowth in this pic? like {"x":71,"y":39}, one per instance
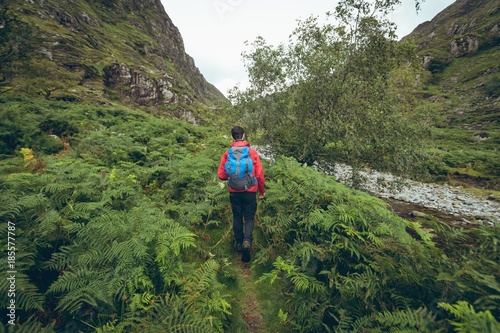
{"x":463,"y":94}
{"x":121,"y":225}
{"x":467,"y":155}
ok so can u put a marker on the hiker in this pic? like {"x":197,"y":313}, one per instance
{"x":240,"y":165}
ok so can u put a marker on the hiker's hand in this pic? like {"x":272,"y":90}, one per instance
{"x":262,"y":196}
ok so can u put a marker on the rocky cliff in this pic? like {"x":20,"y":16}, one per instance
{"x":123,"y":50}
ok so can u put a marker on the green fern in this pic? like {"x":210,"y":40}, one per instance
{"x":80,"y":287}
{"x":174,"y":239}
{"x":469,"y":320}
{"x":300,"y":281}
{"x":305,"y":252}
{"x":27,"y":295}
{"x":167,"y":314}
{"x":29,"y":326}
{"x":420,"y":319}
{"x":344,"y":321}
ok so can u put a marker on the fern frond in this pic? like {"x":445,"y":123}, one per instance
{"x":86,"y":258}
{"x":300,"y":281}
{"x":87,"y":208}
{"x":344,"y":321}
{"x":305,"y":283}
{"x":79,"y":287}
{"x":63,"y":258}
{"x":470,"y":320}
{"x":405,"y":330}
{"x":202,"y":279}
{"x":420,"y":319}
{"x":29,"y":326}
{"x":27,"y":295}
{"x":126,"y":254}
{"x":53,"y":188}
{"x":27,"y":207}
{"x":174,"y":239}
{"x":48,"y":223}
{"x":163,"y":314}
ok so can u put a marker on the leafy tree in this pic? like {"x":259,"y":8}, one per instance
{"x":337,"y":93}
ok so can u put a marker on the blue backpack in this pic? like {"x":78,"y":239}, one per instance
{"x":239,"y":168}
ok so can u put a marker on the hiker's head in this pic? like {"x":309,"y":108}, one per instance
{"x":238,"y":133}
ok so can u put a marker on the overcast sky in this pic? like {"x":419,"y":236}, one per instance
{"x":214,"y":31}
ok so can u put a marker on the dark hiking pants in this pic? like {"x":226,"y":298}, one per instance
{"x":244,"y":205}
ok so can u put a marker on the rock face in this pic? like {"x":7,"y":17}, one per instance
{"x":126,"y":49}
{"x":464,"y":45}
{"x":470,"y":24}
{"x":139,"y":87}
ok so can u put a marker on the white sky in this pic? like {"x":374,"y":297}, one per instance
{"x":214,"y":31}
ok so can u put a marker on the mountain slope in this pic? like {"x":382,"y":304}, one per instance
{"x":126,"y":50}
{"x":459,"y":47}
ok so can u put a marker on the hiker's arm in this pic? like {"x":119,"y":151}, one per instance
{"x":221,"y":172}
{"x":259,"y":174}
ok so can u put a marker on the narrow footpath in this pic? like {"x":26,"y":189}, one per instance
{"x":251,"y":310}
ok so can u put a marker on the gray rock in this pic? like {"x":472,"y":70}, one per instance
{"x":416,"y":213}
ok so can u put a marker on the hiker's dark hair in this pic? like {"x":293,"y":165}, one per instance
{"x":237,"y":132}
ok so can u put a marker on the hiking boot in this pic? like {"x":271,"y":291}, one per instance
{"x":245,"y":256}
{"x":239,"y":247}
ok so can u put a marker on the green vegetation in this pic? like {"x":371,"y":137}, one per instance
{"x":339,"y":92}
{"x":105,"y":216}
{"x":346,"y":92}
{"x":113,"y":219}
{"x":61,"y":52}
{"x":473,"y":153}
{"x":122,"y":226}
{"x":343,"y":262}
{"x":464,"y":93}
{"x":466,"y":136}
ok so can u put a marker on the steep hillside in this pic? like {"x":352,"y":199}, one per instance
{"x":98,"y":50}
{"x":459,"y":47}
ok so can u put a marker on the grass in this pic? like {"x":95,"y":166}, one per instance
{"x":469,"y":149}
{"x":463,"y":157}
{"x":466,"y":140}
{"x":485,"y":193}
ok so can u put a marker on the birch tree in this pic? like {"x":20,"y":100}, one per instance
{"x":339,"y":91}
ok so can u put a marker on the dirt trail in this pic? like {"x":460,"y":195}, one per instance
{"x":251,"y":310}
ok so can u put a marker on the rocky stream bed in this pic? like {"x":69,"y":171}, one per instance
{"x":413,"y":199}
{"x":410,"y":198}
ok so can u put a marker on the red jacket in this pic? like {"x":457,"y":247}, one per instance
{"x":258,"y":172}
